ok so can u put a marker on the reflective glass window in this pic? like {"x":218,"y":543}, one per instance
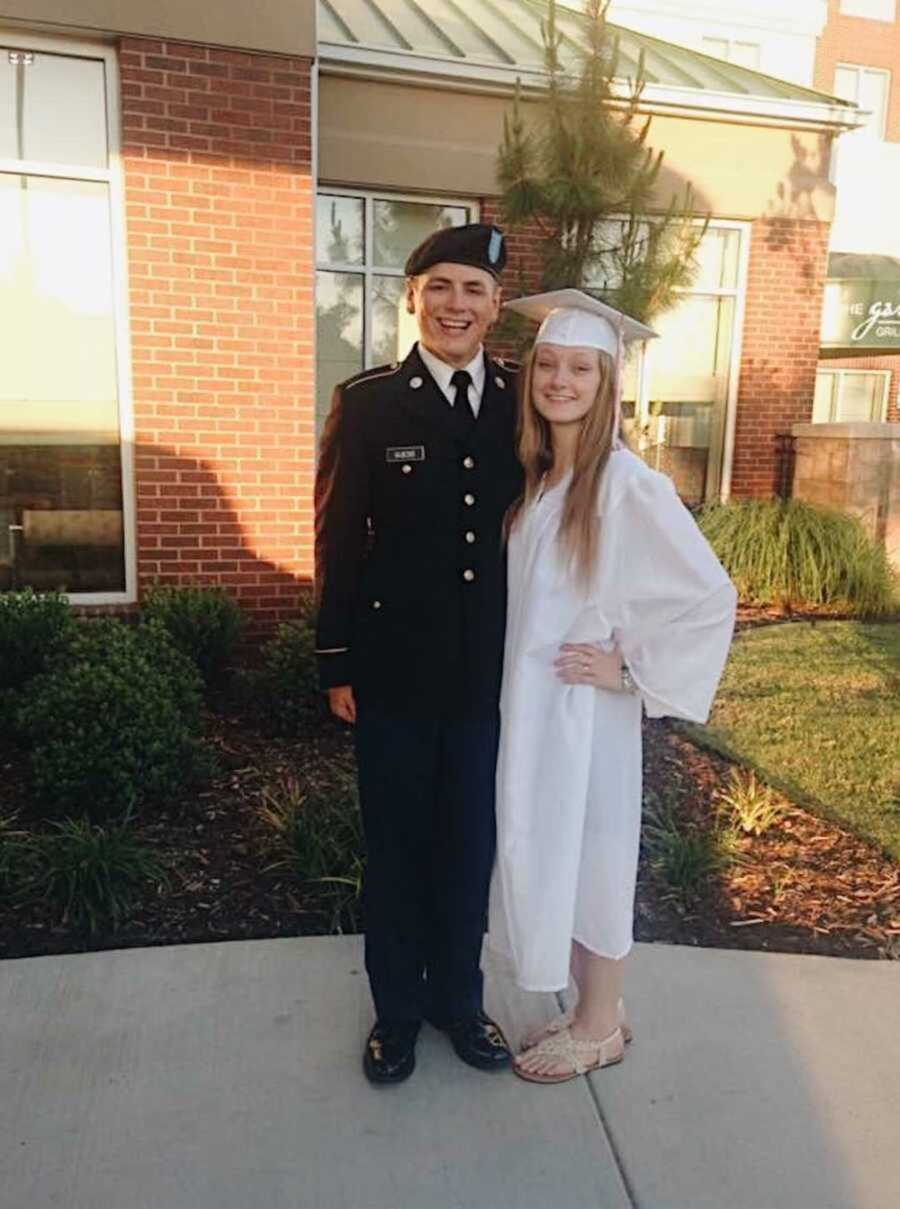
{"x":339,"y":334}
{"x":362,"y":242}
{"x":848,"y":396}
{"x":399,"y":226}
{"x":52,"y":108}
{"x":60,"y":463}
{"x":340,"y":229}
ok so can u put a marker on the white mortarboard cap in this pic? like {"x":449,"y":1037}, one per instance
{"x":574,"y":319}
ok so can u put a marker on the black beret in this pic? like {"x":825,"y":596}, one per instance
{"x":476,"y":243}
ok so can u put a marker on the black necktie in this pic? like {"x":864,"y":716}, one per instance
{"x":462,"y":380}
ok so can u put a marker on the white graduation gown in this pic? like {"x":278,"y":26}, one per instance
{"x":569,"y":767}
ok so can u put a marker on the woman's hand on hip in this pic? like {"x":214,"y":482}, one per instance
{"x":582,"y":663}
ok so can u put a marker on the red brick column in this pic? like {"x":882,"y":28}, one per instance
{"x":522,"y":274}
{"x":219,"y":193}
{"x":785,"y":285}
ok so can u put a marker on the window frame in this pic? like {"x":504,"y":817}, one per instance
{"x":114,"y":177}
{"x":844,"y":12}
{"x":368,"y":269}
{"x":721,"y":449}
{"x":840,"y":373}
{"x":881,"y":133}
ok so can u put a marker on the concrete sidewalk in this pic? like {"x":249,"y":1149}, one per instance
{"x":228,"y":1076}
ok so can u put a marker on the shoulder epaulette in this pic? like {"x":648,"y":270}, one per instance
{"x":369,"y":375}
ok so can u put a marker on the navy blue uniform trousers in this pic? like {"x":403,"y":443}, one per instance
{"x":427,"y":796}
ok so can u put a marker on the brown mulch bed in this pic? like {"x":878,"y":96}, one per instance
{"x":213,"y":844}
{"x":805,"y":886}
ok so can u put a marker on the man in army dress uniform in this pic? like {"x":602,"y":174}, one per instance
{"x":416,"y":472}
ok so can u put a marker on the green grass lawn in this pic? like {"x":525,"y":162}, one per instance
{"x":815,"y":709}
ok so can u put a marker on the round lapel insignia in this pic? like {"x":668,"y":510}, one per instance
{"x":501,"y":382}
{"x":415,"y":383}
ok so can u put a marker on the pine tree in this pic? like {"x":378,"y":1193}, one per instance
{"x":575,"y":161}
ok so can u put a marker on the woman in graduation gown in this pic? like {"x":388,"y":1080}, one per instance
{"x":616,"y":605}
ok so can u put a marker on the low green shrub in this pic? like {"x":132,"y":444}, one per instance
{"x":115,"y":720}
{"x":204,"y":623}
{"x":287,"y":683}
{"x":90,"y":874}
{"x":33,"y":628}
{"x":794,"y":554}
{"x":316,"y":834}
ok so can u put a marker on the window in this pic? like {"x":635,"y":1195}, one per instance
{"x":876,"y":10}
{"x":362,"y":242}
{"x":850,"y":395}
{"x":677,"y":395}
{"x":62,"y":489}
{"x":868,"y":87}
{"x":744,"y":54}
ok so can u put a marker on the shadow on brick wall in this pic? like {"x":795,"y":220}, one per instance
{"x":64,"y":520}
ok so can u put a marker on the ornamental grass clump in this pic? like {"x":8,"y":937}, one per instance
{"x":685,"y":855}
{"x":90,"y":874}
{"x":751,"y":806}
{"x":204,"y":623}
{"x":316,"y":835}
{"x":114,"y":721}
{"x":796,"y":555}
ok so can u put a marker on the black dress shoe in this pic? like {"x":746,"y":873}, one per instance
{"x":390,"y":1055}
{"x":479,"y":1042}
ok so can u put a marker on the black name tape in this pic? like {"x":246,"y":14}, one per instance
{"x":405,"y":453}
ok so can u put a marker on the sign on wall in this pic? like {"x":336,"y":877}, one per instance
{"x":861,"y":313}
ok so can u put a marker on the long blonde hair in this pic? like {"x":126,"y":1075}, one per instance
{"x":579,"y":531}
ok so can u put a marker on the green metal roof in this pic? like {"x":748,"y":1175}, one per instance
{"x":496,"y":40}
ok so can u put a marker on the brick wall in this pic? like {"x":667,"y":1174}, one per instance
{"x":522,"y":274}
{"x":863,"y":42}
{"x":217,"y":158}
{"x":785,"y":284}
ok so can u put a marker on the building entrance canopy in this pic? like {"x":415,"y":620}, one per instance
{"x":862,"y":305}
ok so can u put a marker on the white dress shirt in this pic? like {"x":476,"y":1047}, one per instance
{"x":442,"y":373}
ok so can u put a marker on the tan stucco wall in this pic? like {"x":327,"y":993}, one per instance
{"x":281,"y":26}
{"x":434,"y":141}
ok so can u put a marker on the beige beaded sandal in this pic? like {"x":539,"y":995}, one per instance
{"x":560,"y":1022}
{"x":580,"y":1056}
